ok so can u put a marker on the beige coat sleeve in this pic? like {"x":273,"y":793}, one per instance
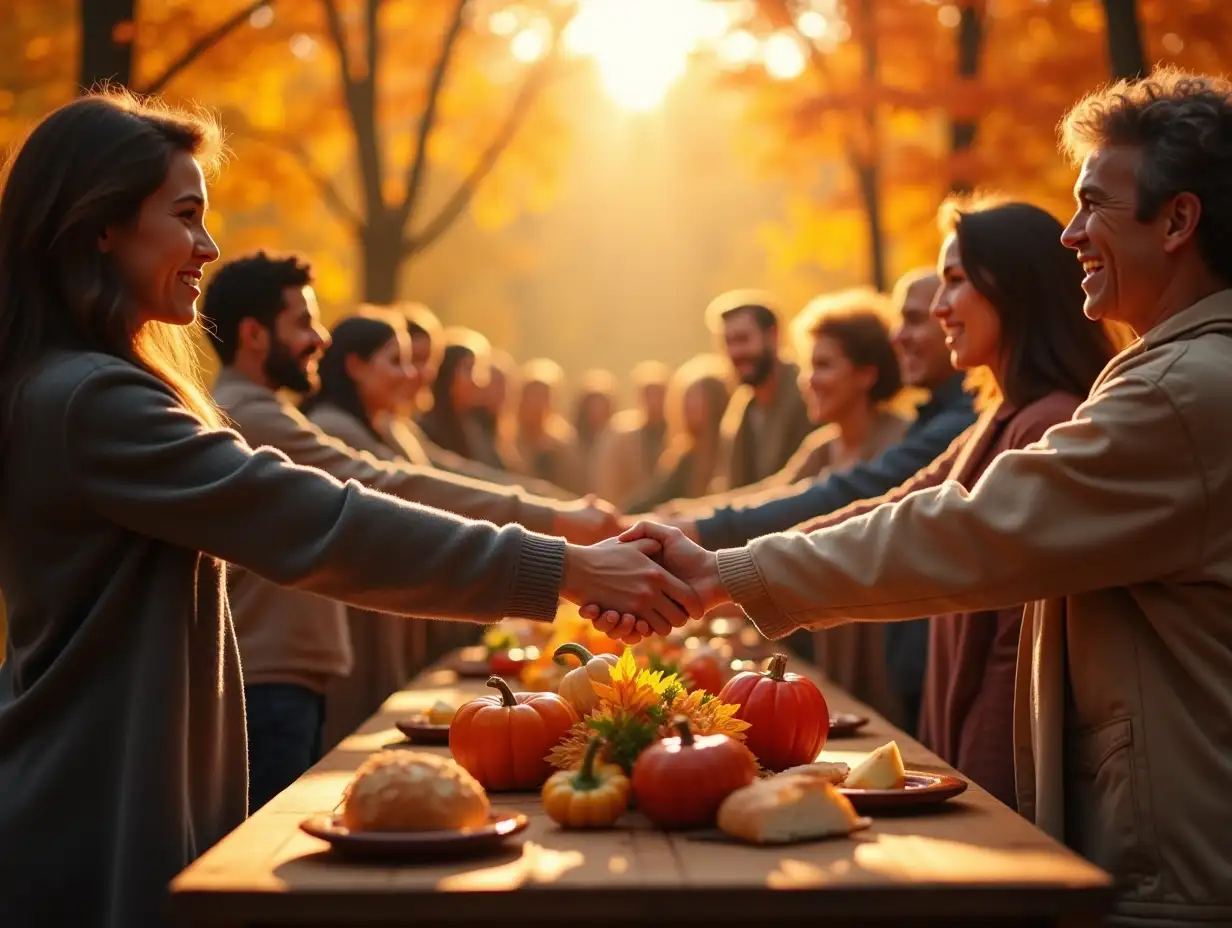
{"x":285,"y":428}
{"x":1108,"y":499}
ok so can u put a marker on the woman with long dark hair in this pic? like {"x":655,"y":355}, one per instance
{"x":1011,"y":306}
{"x":363,"y":378}
{"x":122,"y":741}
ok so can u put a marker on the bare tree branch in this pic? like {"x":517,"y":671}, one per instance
{"x":334,"y":22}
{"x":292,"y":146}
{"x":532,"y":85}
{"x":417,"y":168}
{"x":359,"y":97}
{"x":204,"y":43}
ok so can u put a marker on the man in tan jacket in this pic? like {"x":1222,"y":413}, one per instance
{"x":268,"y":336}
{"x":1116,"y":528}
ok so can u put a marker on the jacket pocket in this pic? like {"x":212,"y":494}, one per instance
{"x":1103,"y":818}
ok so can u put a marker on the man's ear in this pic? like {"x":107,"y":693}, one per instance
{"x":1183,"y":214}
{"x":253,"y":336}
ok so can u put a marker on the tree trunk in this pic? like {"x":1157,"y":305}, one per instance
{"x":870,"y":192}
{"x":382,"y":252}
{"x":869,"y":169}
{"x":962,"y":132}
{"x":102,"y":57}
{"x":1125,"y":52}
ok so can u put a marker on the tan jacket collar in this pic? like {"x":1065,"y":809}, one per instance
{"x":1212,"y":313}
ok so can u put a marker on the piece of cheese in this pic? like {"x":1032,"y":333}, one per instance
{"x":441,"y":713}
{"x":882,"y":769}
{"x":787,"y":808}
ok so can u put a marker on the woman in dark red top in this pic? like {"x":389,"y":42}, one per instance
{"x":1011,"y":304}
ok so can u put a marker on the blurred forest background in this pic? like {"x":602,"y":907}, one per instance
{"x":580,"y":187}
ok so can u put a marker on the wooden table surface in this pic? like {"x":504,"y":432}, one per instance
{"x":970,"y":861}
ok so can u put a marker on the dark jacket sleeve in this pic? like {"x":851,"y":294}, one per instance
{"x":141,"y":460}
{"x":733,"y":526}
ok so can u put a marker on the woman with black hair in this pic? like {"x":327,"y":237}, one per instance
{"x":1011,"y":306}
{"x":363,"y":375}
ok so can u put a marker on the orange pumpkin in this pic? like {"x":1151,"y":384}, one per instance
{"x":681,"y":782}
{"x":702,"y":670}
{"x":787,"y":714}
{"x":502,"y":740}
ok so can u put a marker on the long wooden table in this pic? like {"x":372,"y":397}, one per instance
{"x":972,"y":861}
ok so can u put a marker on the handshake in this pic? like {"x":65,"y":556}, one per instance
{"x":648,"y":580}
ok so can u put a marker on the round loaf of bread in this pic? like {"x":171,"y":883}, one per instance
{"x":409,"y":791}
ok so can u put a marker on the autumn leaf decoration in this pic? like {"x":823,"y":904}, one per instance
{"x":636,"y":709}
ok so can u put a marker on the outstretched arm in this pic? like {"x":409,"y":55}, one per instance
{"x":142,"y":461}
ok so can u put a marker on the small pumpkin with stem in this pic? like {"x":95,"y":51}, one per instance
{"x":681,"y":782}
{"x":503,"y":740}
{"x":594,"y":796}
{"x":788,"y":718}
{"x":576,"y":687}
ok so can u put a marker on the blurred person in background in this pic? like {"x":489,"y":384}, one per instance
{"x":489,"y":414}
{"x":767,"y":419}
{"x":697,"y":398}
{"x":456,"y":393}
{"x":543,"y":444}
{"x":630,"y":449}
{"x":593,"y":409}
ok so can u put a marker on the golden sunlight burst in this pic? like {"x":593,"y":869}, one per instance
{"x":642,"y":47}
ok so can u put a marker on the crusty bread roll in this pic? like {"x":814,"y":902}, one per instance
{"x":409,"y":791}
{"x":882,"y":769}
{"x":795,"y":807}
{"x":831,"y":771}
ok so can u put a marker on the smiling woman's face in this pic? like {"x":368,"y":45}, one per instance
{"x":160,"y":254}
{"x":971,"y":324}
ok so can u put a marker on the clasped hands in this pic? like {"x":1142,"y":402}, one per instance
{"x":650,"y":579}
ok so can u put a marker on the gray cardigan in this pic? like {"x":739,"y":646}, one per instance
{"x":122,"y":745}
{"x":291,"y":636}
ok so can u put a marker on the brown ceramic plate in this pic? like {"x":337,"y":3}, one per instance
{"x":419,"y":731}
{"x":844,"y":724}
{"x":426,"y":846}
{"x":921,"y":789}
{"x":471,"y":670}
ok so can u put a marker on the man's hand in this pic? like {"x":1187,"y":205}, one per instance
{"x":687,"y":561}
{"x":620,"y":577}
{"x":586,"y":521}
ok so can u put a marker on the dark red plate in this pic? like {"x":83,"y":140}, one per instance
{"x":421,"y":732}
{"x":844,"y":724}
{"x":413,"y":846}
{"x":921,"y":789}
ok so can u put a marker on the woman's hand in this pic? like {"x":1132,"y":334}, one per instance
{"x":688,"y":562}
{"x":620,"y":577}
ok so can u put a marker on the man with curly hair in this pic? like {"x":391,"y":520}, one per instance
{"x":1115,"y":528}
